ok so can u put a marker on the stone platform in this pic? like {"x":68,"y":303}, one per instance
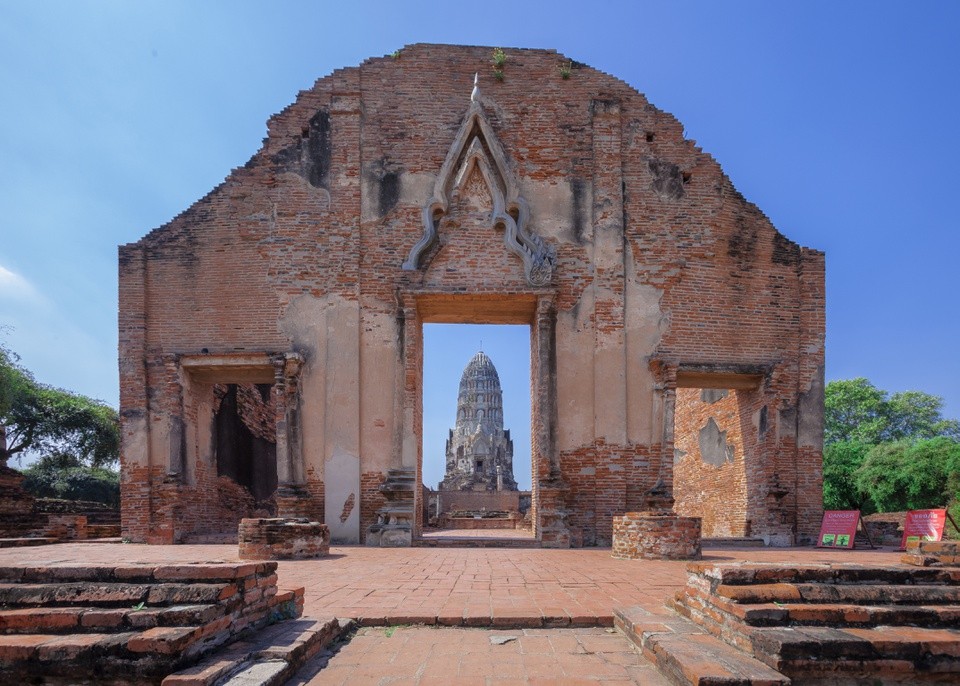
{"x":837,"y":623}
{"x":129,"y":623}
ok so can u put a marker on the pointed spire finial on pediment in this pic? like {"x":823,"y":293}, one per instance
{"x":475,"y":147}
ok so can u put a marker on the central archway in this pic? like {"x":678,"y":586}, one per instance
{"x":534,"y":309}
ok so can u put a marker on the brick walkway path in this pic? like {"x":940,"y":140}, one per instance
{"x":467,"y":657}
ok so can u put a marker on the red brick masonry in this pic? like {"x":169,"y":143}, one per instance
{"x":283,"y":539}
{"x":656,"y":536}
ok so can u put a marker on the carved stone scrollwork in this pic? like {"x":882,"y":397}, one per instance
{"x":476,"y":147}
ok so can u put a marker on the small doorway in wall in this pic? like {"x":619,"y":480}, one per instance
{"x":245,"y":443}
{"x":716,"y":433}
{"x":477,"y":466}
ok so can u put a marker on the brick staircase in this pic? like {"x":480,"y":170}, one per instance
{"x":825,"y":623}
{"x":131,"y":623}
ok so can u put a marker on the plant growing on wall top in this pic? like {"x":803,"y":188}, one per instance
{"x":565,"y":70}
{"x":499,"y":59}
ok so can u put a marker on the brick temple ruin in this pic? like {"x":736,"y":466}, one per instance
{"x":271,"y":345}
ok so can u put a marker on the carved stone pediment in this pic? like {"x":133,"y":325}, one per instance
{"x":476,"y":147}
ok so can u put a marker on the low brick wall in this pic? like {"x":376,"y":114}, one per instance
{"x":451,"y":501}
{"x":656,"y":536}
{"x":480,"y":522}
{"x":283,"y":539}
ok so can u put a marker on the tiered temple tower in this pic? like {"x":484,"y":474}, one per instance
{"x":479,"y":451}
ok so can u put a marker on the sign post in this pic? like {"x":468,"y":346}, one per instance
{"x":838,"y":529}
{"x":923,"y":525}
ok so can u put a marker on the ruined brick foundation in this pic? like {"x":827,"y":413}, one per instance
{"x":283,"y":539}
{"x":656,"y":536}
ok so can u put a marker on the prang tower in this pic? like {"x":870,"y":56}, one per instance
{"x":479,"y":451}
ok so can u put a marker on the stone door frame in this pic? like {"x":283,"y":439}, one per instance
{"x":533,"y":308}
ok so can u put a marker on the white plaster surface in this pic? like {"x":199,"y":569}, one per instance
{"x":342,"y":472}
{"x":378,"y":376}
{"x":575,"y":340}
{"x":135,"y":439}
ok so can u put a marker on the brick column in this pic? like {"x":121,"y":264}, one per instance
{"x":549,"y":507}
{"x":291,"y":493}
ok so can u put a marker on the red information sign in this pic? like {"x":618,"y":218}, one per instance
{"x":838,"y":529}
{"x":923,"y":525}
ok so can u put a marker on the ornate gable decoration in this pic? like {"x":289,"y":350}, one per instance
{"x":476,"y":147}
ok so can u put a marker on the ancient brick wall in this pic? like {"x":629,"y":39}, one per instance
{"x":659,"y":267}
{"x":506,"y":501}
{"x":710,"y":474}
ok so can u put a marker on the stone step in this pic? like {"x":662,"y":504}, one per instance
{"x":105,"y":594}
{"x":25,"y":542}
{"x":475,"y":542}
{"x":87,"y":619}
{"x":733,"y":542}
{"x":29,"y":653}
{"x":859,"y":594}
{"x":269,"y":658}
{"x":918,"y":654}
{"x":136,"y":573}
{"x":849,"y":614}
{"x":736,"y":574}
{"x":687,"y":656}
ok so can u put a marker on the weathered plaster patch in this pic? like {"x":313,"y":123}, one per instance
{"x":645,"y":325}
{"x":348,"y":507}
{"x":713,"y":395}
{"x":550,"y":210}
{"x":575,"y":341}
{"x":135,"y":437}
{"x":714,"y":448}
{"x":810,"y":405}
{"x":341,"y":483}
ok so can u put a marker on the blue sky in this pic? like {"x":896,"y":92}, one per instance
{"x":835,"y":118}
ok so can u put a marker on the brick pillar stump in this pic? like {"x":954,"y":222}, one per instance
{"x":67,"y":527}
{"x":656,"y":535}
{"x":283,"y":538}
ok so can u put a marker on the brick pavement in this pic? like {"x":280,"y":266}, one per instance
{"x":457,"y":586}
{"x":466,"y":657}
{"x":554,"y":601}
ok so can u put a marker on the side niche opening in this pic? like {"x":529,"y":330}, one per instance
{"x":714,"y":438}
{"x":246,"y":440}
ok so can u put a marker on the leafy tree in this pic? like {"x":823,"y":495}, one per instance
{"x":47,"y":420}
{"x":909,"y":476}
{"x":840,"y":464}
{"x":915,"y":415}
{"x":856,"y":410}
{"x":853,"y":411}
{"x":878,"y":448}
{"x":63,"y":476}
